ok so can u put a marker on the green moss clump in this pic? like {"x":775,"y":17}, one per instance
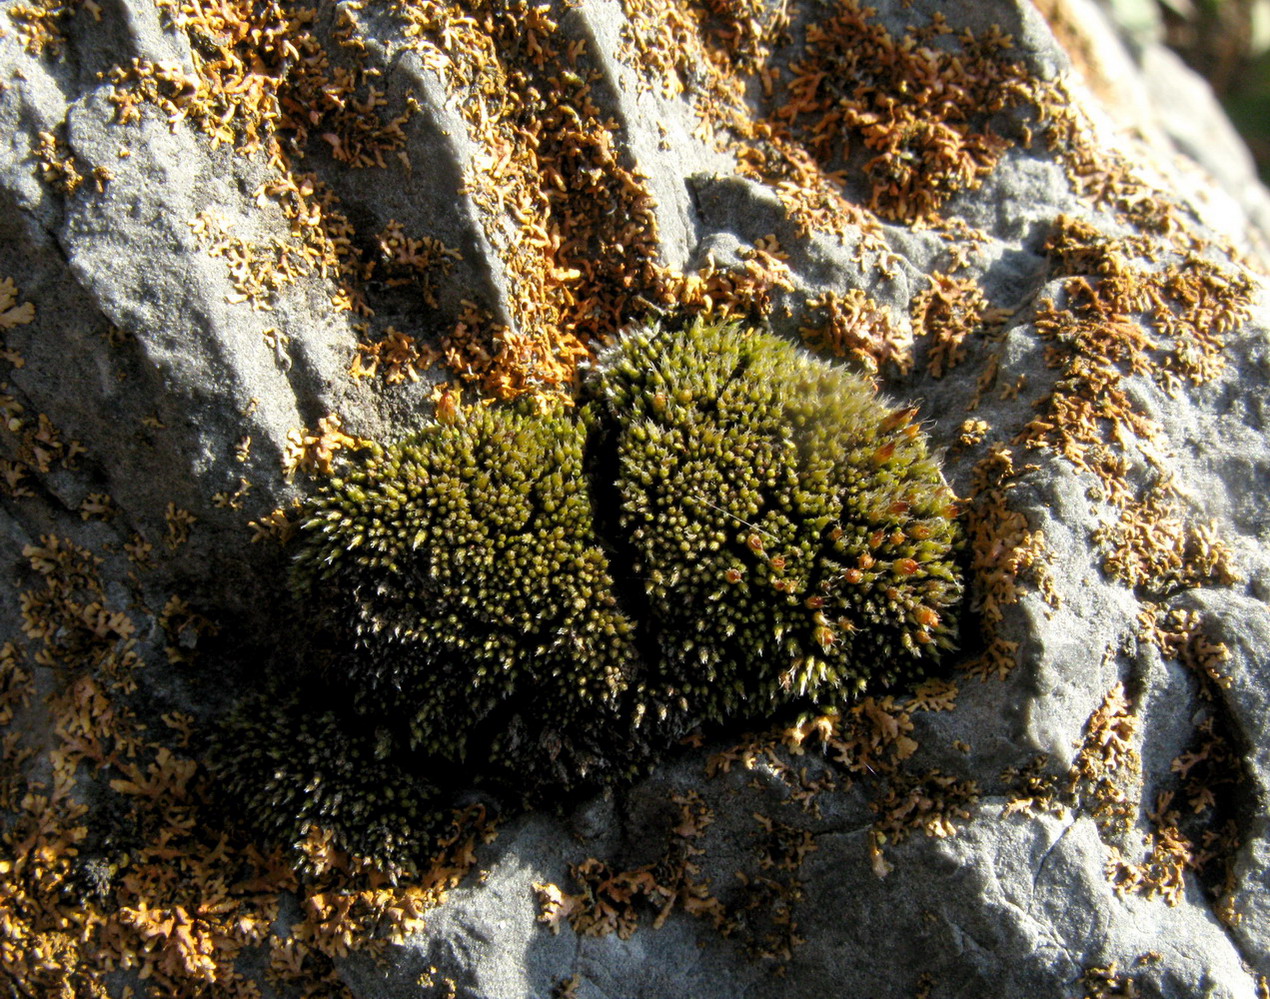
{"x":534,"y":600}
{"x":477,"y":603}
{"x":794,"y":537}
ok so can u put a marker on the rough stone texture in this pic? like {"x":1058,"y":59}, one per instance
{"x":1017,"y":904}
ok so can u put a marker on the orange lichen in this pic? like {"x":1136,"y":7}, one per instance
{"x":275,"y":524}
{"x":610,"y":902}
{"x":313,"y":452}
{"x":947,"y":312}
{"x":923,"y":147}
{"x":854,"y":325}
{"x":41,"y":23}
{"x":57,"y":166}
{"x":1107,"y":769}
{"x":398,"y":357}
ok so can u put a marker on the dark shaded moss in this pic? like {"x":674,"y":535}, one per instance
{"x":475,"y":598}
{"x":285,"y":767}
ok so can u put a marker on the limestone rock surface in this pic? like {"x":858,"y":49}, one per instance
{"x":237,"y":240}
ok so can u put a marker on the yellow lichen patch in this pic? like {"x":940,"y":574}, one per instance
{"x":1180,"y":635}
{"x":57,"y":165}
{"x":1194,"y":826}
{"x":1167,"y":859}
{"x":11,"y":313}
{"x":262,"y":81}
{"x":1136,"y":306}
{"x":276,"y":525}
{"x":398,"y":357}
{"x":855,"y":326}
{"x":1151,"y":548}
{"x":610,"y":901}
{"x":761,"y":917}
{"x":934,"y":695}
{"x":1106,"y":773}
{"x":570,"y":222}
{"x":868,"y":741}
{"x":139,"y":550}
{"x":744,"y":292}
{"x":1033,"y":790}
{"x":1109,"y":982}
{"x":260,"y":271}
{"x":573,"y":225}
{"x":418,"y":262}
{"x":234,"y":500}
{"x":99,"y":506}
{"x":41,"y":23}
{"x":313,"y":452}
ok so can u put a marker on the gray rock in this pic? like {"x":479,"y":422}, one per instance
{"x":144,"y":352}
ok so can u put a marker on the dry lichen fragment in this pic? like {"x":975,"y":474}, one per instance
{"x":40,"y":24}
{"x":924,"y":147}
{"x":57,"y":165}
{"x":1194,"y":825}
{"x":313,"y":452}
{"x":854,"y":325}
{"x":275,"y":524}
{"x":68,"y":613}
{"x":398,"y":357}
{"x":947,"y":312}
{"x":1139,"y":306}
{"x":933,"y":803}
{"x":11,"y":313}
{"x":1005,"y":557}
{"x":1108,"y":767}
{"x":179,"y":522}
{"x":610,"y":901}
